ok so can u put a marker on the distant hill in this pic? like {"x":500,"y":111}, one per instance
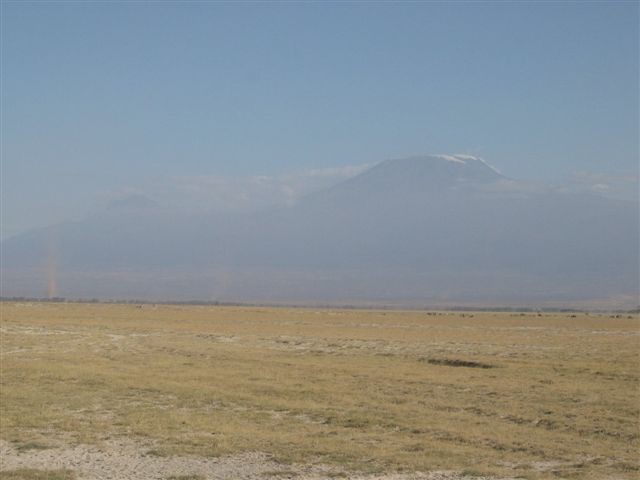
{"x":439,"y":229}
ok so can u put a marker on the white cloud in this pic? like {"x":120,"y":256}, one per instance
{"x":216,"y":193}
{"x":617,"y":184}
{"x":335,"y":172}
{"x":241,"y":194}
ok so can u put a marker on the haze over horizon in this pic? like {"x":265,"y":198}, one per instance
{"x":233,"y":195}
{"x":104,"y":100}
{"x":438,"y":230}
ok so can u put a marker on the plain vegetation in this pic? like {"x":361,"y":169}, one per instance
{"x":529,"y":395}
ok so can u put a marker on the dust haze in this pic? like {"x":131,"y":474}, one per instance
{"x":428,"y":230}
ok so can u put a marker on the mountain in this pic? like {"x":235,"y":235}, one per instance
{"x":439,"y":229}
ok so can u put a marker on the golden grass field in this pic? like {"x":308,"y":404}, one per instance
{"x":359,"y":391}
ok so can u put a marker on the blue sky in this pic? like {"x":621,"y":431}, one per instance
{"x":111,"y":97}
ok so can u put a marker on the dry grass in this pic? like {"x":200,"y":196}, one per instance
{"x":368,"y":390}
{"x":32,"y":474}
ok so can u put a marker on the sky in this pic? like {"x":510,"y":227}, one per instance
{"x":106,"y":99}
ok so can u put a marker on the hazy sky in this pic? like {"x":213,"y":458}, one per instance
{"x":101,"y":98}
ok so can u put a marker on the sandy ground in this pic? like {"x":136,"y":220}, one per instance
{"x":125,"y":460}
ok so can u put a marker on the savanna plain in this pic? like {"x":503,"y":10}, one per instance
{"x":175,"y":392}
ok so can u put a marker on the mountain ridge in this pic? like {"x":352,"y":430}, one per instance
{"x":413,"y":229}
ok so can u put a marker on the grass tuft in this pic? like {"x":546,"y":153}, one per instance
{"x":24,"y":447}
{"x":457,"y":363}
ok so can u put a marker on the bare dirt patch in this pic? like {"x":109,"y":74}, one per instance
{"x":126,"y":460}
